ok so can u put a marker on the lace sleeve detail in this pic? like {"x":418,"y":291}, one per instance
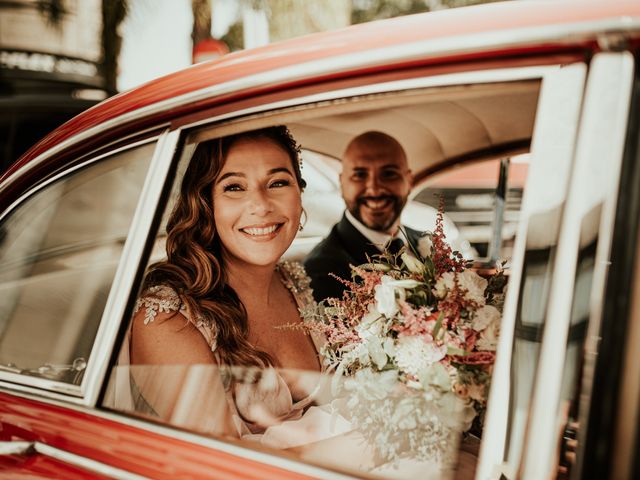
{"x":159,"y":299}
{"x":164,"y":299}
{"x":298,"y":282}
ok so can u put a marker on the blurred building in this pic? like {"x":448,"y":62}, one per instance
{"x":49,"y":68}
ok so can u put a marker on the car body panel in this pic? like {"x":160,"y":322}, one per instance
{"x":123,"y":446}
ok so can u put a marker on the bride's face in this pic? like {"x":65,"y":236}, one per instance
{"x":256,"y":202}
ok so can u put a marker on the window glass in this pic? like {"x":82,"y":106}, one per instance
{"x":359,"y":424}
{"x":58,"y":253}
{"x":470,"y":201}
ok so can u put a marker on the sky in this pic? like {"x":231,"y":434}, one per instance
{"x":156,"y":40}
{"x":157,"y":37}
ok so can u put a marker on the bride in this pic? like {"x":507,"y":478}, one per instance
{"x":206,"y":349}
{"x":221,"y":293}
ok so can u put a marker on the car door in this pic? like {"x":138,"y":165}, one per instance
{"x":549,"y":344}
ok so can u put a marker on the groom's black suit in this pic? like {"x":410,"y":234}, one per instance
{"x":344,"y":246}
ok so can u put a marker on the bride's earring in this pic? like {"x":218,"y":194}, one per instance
{"x":302,"y":223}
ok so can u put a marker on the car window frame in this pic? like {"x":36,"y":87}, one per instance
{"x":86,"y":392}
{"x":274,"y":113}
{"x":546,"y":151}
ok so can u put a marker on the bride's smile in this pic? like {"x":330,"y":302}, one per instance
{"x":262,"y":232}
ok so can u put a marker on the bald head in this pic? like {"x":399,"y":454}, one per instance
{"x":372,"y":145}
{"x":375,"y":180}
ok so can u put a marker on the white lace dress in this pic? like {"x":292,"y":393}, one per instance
{"x":250,"y":395}
{"x":210,"y":395}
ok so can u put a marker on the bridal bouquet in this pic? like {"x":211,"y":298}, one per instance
{"x":412,"y":343}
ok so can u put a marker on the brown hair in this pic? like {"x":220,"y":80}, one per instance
{"x":193,"y":266}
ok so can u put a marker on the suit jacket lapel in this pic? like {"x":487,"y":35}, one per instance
{"x":413,"y":236}
{"x":355,"y":244}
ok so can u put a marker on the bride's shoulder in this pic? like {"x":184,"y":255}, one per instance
{"x":165,"y":302}
{"x":159,"y":299}
{"x":296,"y":279}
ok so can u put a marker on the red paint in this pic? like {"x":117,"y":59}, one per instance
{"x":124,"y":446}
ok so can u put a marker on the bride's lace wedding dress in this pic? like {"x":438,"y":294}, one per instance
{"x":254,"y":405}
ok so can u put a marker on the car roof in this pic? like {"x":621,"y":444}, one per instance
{"x":469,"y":32}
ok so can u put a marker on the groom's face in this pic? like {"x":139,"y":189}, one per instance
{"x":375,"y":181}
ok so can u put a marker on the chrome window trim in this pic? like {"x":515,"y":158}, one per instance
{"x":297,"y":466}
{"x":425,"y":49}
{"x":546,"y":150}
{"x":84,"y":462}
{"x":43,"y":386}
{"x":122,"y":284}
{"x":602,"y":135}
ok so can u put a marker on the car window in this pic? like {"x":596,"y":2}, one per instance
{"x":470,"y":200}
{"x":227,"y":400}
{"x":59,"y":249}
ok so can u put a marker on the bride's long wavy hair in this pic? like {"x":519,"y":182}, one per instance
{"x":193,"y":267}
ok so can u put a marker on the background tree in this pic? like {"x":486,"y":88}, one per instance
{"x":201,"y":20}
{"x":369,"y":10}
{"x":113,"y":13}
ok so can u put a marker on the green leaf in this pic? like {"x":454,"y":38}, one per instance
{"x":436,"y":328}
{"x":457,"y":351}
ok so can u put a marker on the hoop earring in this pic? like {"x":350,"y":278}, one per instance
{"x":302,"y":223}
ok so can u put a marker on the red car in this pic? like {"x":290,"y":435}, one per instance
{"x":546,"y":92}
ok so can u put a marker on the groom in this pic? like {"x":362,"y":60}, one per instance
{"x":375,"y":182}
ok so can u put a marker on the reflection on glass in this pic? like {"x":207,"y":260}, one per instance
{"x":58,"y":253}
{"x":218,"y":401}
{"x":530,"y":317}
{"x":568,"y":413}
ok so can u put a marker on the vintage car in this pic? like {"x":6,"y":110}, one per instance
{"x":524,"y":115}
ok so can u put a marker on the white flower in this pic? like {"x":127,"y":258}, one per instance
{"x":371,"y":330}
{"x":414,"y":355}
{"x":444,"y":284}
{"x":413,"y":264}
{"x":477,"y":392}
{"x":425,"y":245}
{"x":376,"y":352}
{"x":404,"y":416}
{"x":484,"y":317}
{"x":386,"y":294}
{"x":370,"y":325}
{"x":455,"y":412}
{"x":488,"y":338}
{"x":435,"y":375}
{"x":473,"y":283}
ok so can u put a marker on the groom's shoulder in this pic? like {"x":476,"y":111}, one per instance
{"x":328,"y":247}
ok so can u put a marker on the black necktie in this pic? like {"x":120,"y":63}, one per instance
{"x":395,"y":245}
